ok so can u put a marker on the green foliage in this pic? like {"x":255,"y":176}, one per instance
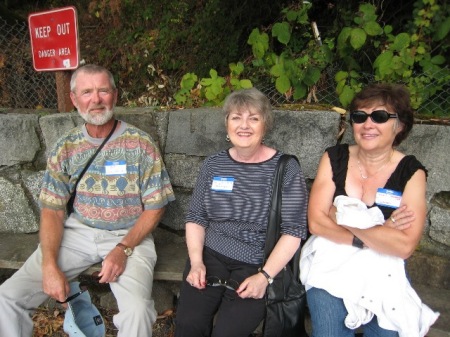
{"x":174,"y":37}
{"x":282,"y":31}
{"x":183,"y":96}
{"x":259,"y":42}
{"x":200,"y":35}
{"x":396,"y":57}
{"x":293,"y":71}
{"x":348,"y":85}
{"x":148,"y":45}
{"x":210,"y":91}
{"x":287,"y":55}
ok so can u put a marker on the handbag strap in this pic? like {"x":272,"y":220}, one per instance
{"x":273,"y":225}
{"x":273,"y":228}
{"x":95,"y":155}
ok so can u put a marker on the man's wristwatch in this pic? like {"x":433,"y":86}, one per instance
{"x":127,"y":250}
{"x":267,"y":276}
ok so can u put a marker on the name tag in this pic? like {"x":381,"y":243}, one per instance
{"x":222,"y":184}
{"x":115,"y":167}
{"x":388,"y":198}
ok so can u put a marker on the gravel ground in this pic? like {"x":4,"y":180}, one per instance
{"x":48,"y":321}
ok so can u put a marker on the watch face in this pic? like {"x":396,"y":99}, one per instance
{"x":128,"y":251}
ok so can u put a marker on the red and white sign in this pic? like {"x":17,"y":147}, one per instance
{"x":54,"y":39}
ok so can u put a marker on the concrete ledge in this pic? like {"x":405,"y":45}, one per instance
{"x":16,"y":248}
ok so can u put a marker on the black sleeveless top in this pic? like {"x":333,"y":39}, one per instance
{"x":339,"y":156}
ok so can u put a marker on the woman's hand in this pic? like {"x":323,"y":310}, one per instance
{"x":400,"y":219}
{"x":195,"y":238}
{"x":332,"y":213}
{"x":253,"y":287}
{"x":197,"y":276}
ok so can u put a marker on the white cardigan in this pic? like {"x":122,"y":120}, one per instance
{"x":370,"y":283}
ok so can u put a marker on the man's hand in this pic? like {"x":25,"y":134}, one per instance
{"x":113,"y":265}
{"x":55,"y":284}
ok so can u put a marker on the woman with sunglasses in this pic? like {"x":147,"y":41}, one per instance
{"x":376,"y":174}
{"x":225,"y":279}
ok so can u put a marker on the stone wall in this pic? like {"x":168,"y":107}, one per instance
{"x":186,"y":137}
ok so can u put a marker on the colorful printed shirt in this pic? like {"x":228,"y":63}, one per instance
{"x":127,"y":177}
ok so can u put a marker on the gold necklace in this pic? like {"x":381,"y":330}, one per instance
{"x":378,"y":170}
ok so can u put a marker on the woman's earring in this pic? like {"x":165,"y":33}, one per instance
{"x":227,"y":138}
{"x":263,"y":141}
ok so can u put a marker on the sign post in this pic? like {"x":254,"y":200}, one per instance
{"x":54,"y":46}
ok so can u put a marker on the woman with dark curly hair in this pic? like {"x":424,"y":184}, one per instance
{"x":367,"y":204}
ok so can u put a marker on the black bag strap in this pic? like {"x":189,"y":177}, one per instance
{"x":72,"y":197}
{"x":273,"y":226}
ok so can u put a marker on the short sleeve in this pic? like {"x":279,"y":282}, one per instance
{"x":339,"y":156}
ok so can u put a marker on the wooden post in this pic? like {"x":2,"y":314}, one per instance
{"x":63,"y":91}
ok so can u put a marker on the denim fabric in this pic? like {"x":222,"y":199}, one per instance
{"x":328,"y":314}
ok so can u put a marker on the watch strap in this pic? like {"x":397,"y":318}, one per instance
{"x":266,"y":275}
{"x":127,"y":250}
{"x":357,"y":242}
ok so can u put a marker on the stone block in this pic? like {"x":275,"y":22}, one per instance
{"x":176,"y":211}
{"x":440,"y":225}
{"x":16,"y":216}
{"x":305,"y":134}
{"x":161,"y":119}
{"x":33,"y":182}
{"x":183,"y":170}
{"x":19,"y":140}
{"x":165,"y":294}
{"x":429,"y":270}
{"x":430,"y":144}
{"x":55,"y":126}
{"x":142,"y":119}
{"x":197,"y":132}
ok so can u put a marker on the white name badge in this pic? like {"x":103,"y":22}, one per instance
{"x":388,"y":198}
{"x":115,"y":167}
{"x":222,"y":184}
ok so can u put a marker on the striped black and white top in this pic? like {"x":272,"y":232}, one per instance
{"x":235,"y":213}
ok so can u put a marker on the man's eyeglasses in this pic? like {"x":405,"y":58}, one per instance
{"x":214,"y":281}
{"x":377,"y":116}
{"x":83,"y":287}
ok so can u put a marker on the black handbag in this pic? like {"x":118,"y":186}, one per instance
{"x":69,"y":206}
{"x":286,"y":296}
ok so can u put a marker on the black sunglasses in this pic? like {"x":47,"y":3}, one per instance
{"x":377,"y":116}
{"x":214,"y":281}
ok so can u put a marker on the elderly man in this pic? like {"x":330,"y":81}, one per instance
{"x":118,"y":203}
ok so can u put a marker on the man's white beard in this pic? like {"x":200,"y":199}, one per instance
{"x":97,"y":119}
